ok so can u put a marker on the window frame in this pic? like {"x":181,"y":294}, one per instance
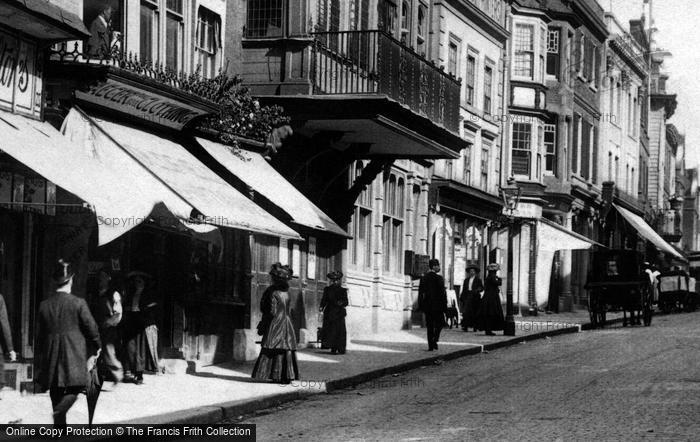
{"x":550,"y":149}
{"x":487,"y":104}
{"x":393,"y":221}
{"x":525,"y":147}
{"x":247,"y":34}
{"x":470,"y":79}
{"x":214,"y":53}
{"x":553,"y":53}
{"x":520,"y":51}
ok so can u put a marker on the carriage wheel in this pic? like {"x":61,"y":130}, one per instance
{"x":646,"y":305}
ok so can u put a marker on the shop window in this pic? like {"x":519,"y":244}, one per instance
{"x":470,"y":79}
{"x":550,"y":148}
{"x":521,"y":152}
{"x":360,"y":246}
{"x":148,"y":36}
{"x":524,"y":50}
{"x":553,"y":52}
{"x":105,"y":20}
{"x":392,"y":223}
{"x":208,"y":42}
{"x":264,"y":19}
{"x":488,"y":88}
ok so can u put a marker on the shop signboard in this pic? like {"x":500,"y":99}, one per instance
{"x":20,"y":75}
{"x":142,"y":103}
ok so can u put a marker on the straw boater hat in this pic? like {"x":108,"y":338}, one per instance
{"x":493,"y":267}
{"x":281,"y":271}
{"x":335,"y":275}
{"x":473,"y":266}
{"x":63,"y":272}
{"x":135,"y":273}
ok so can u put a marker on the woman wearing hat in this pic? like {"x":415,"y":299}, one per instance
{"x":278,"y":357}
{"x":490,"y":315}
{"x":471,"y":297}
{"x":137,"y":311}
{"x":66,"y":334}
{"x":333,"y":303}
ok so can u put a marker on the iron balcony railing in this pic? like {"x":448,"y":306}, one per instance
{"x":373,"y":62}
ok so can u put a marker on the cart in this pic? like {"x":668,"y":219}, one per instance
{"x":617,"y":282}
{"x":675,"y":293}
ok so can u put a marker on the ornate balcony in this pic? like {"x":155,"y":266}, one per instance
{"x":374,"y":63}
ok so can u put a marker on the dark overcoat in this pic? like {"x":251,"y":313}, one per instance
{"x":333,"y":303}
{"x":66,"y":330}
{"x":432,"y":296}
{"x":471,"y":299}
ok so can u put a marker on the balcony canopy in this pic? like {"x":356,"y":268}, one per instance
{"x":42,"y":19}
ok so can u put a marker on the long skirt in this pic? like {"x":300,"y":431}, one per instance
{"x":334,"y":333}
{"x":135,"y":344}
{"x":278,"y":365}
{"x":490,"y":315}
{"x":152,"y":347}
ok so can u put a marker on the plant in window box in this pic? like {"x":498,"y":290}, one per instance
{"x":242,"y":116}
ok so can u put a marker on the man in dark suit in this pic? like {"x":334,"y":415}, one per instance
{"x":471,"y":297}
{"x":66,"y":327}
{"x":432,"y":301}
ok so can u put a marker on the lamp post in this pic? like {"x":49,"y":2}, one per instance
{"x":511,"y":197}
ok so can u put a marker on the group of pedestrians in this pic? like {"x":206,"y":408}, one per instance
{"x":68,"y":332}
{"x":480,"y":302}
{"x":277,"y":360}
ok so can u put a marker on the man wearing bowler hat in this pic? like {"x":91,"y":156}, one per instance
{"x":432,"y":301}
{"x":471,"y":297}
{"x":66,"y":332}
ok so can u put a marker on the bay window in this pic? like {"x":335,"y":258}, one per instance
{"x":264,"y":19}
{"x":550,"y":149}
{"x":521,"y":149}
{"x":524,"y":50}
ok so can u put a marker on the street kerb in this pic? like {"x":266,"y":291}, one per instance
{"x":230,"y":410}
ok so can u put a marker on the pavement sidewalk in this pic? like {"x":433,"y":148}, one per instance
{"x":208,"y":394}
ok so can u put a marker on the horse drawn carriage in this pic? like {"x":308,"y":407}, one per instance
{"x":676,"y":292}
{"x":617,"y":281}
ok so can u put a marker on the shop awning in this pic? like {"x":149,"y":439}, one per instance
{"x":550,"y":238}
{"x":256,"y":172}
{"x":43,"y":149}
{"x":144,"y":170}
{"x":649,"y":233}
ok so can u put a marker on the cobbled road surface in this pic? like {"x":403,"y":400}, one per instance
{"x":612,"y":384}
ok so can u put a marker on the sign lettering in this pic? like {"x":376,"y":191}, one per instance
{"x":142,"y":104}
{"x":18,"y":76}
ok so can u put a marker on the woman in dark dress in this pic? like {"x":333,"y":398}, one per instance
{"x":136,"y":311}
{"x":490,"y":316}
{"x":278,"y":357}
{"x":333,"y":303}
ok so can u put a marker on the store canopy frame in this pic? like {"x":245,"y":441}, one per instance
{"x":649,"y":233}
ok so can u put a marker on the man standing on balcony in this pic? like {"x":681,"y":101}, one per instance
{"x":101,"y":34}
{"x":432,"y":301}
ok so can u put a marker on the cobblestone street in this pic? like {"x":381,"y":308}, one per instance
{"x":611,"y":384}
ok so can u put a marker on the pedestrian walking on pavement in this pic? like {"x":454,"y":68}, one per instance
{"x":432,"y":301}
{"x":108,"y":314}
{"x":5,"y":341}
{"x":333,"y":303}
{"x":278,"y":356}
{"x":490,"y":315}
{"x":136,"y":305}
{"x":471,"y":298}
{"x":67,"y":333}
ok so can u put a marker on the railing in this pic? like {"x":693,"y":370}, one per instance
{"x":372,"y":62}
{"x":210,"y":89}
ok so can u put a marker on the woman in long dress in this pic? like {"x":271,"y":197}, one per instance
{"x":137,"y":309}
{"x":490,"y":316}
{"x":333,"y":303}
{"x":278,"y":357}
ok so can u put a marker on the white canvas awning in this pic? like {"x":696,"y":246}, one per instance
{"x":159,"y":170}
{"x":649,"y":233}
{"x":550,"y":238}
{"x":256,"y":172}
